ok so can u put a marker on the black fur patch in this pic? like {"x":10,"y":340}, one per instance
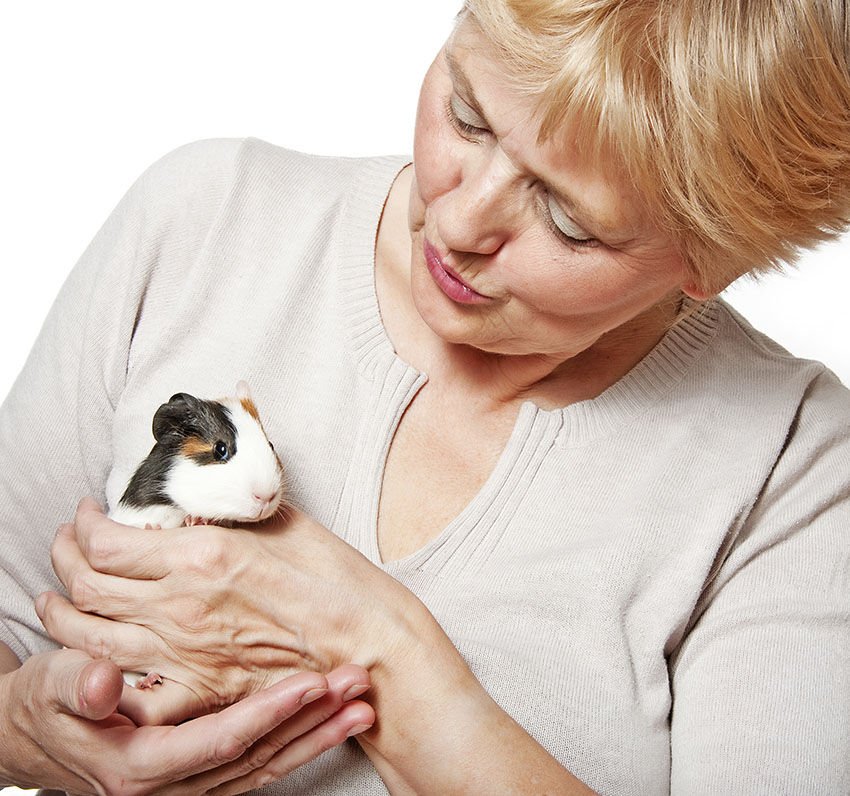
{"x":184,"y":418}
{"x":147,"y":486}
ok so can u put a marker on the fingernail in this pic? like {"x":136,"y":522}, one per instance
{"x":357,"y":729}
{"x":39,"y":604}
{"x":354,"y":691}
{"x":313,"y":695}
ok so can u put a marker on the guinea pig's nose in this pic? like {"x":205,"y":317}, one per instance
{"x":266,"y":497}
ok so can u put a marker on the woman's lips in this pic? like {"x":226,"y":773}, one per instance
{"x":449,"y":282}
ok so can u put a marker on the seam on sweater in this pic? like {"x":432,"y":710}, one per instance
{"x":762,"y":342}
{"x":712,"y":587}
{"x":640,"y":390}
{"x":371,"y":348}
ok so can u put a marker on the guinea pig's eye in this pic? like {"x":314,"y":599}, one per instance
{"x":220,"y":451}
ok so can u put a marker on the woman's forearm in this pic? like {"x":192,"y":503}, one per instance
{"x":312,"y":602}
{"x":438,"y":731}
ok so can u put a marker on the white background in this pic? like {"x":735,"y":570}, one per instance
{"x":93,"y":91}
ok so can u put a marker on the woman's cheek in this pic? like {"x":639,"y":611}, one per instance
{"x":432,"y":163}
{"x":436,"y":162}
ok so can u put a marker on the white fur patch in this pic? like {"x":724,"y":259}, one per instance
{"x":247,"y":487}
{"x":155,"y":516}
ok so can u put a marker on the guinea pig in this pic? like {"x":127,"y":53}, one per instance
{"x":211,"y":463}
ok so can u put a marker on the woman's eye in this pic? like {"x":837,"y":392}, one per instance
{"x":465,"y":120}
{"x":566,"y":227}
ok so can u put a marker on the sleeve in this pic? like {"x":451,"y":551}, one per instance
{"x":55,"y":424}
{"x":761,"y":684}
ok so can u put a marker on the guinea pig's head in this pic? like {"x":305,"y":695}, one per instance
{"x":223,"y":466}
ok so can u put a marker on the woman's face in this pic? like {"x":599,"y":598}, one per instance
{"x":520,"y":247}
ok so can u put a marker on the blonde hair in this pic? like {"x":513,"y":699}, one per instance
{"x":732,"y":117}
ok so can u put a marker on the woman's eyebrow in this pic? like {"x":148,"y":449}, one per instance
{"x":592,"y":222}
{"x":461,"y":82}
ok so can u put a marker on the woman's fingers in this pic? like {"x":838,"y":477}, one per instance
{"x":326,"y":720}
{"x":84,"y":687}
{"x":350,"y":720}
{"x":337,"y":713}
{"x":89,"y":588}
{"x":349,"y":681}
{"x":168,"y":702}
{"x":89,"y":504}
{"x":132,"y":648}
{"x":90,"y":748}
{"x":51,"y":703}
{"x":125,"y":644}
{"x":321,"y":725}
{"x":344,"y":685}
{"x":212,"y":741}
{"x":120,"y":549}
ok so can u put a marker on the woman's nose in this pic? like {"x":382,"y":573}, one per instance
{"x":475,"y":215}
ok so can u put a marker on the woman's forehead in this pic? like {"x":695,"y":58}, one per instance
{"x":588,"y":187}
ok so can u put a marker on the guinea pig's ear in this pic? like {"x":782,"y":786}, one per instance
{"x":243,"y":391}
{"x":175,"y":419}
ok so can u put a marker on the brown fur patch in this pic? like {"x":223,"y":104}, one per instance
{"x":193,"y":446}
{"x":248,"y":406}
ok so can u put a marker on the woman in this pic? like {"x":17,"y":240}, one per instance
{"x":582,"y":526}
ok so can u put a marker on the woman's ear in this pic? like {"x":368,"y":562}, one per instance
{"x":697,"y":293}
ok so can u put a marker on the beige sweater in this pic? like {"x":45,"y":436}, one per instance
{"x":655,"y":583}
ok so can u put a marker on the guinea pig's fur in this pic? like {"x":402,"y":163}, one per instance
{"x":212,"y":462}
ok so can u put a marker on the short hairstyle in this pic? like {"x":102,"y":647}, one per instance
{"x":732,"y":117}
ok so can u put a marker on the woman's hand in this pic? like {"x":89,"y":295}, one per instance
{"x":224,"y":611}
{"x":219,"y":613}
{"x":59,"y":729}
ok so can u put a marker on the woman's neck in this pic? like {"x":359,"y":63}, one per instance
{"x":551,"y":383}
{"x":497,"y":380}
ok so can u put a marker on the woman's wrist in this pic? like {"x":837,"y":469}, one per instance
{"x":8,"y":660}
{"x":439,"y":731}
{"x":350,"y":611}
{"x":420,"y":678}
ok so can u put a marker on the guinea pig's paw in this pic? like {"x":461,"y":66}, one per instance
{"x":140,"y":680}
{"x":169,"y":703}
{"x":149,"y":680}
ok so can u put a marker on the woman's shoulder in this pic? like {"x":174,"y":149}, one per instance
{"x":213,"y":165}
{"x":202,"y":164}
{"x":191,"y":170}
{"x":763,"y":361}
{"x":234,"y":183}
{"x":765,"y":374}
{"x":255,"y":179}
